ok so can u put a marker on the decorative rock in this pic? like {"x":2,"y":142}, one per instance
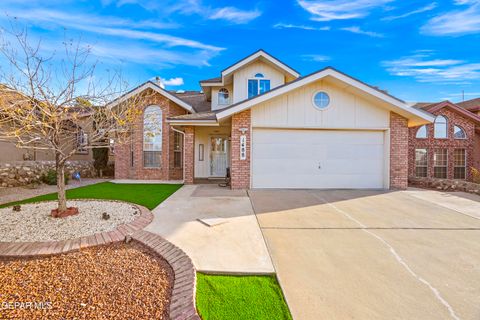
{"x":105,"y":216}
{"x":128,"y":239}
{"x":22,"y":173}
{"x":17,"y":208}
{"x":445,"y":184}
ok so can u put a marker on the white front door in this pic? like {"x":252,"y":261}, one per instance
{"x":218,"y":156}
{"x":339,"y":159}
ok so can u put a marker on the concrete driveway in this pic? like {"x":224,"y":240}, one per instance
{"x":349,"y":254}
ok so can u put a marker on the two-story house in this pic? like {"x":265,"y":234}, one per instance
{"x":274,"y":129}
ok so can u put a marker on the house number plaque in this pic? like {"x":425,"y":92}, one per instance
{"x":243,"y":147}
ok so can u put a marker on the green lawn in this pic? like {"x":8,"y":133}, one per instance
{"x":240,"y":297}
{"x":148,"y":195}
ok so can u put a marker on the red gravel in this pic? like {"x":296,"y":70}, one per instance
{"x":117,"y":281}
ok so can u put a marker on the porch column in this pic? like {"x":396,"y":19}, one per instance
{"x":189,"y":157}
{"x":398,"y":151}
{"x":240,"y":171}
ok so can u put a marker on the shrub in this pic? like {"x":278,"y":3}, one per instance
{"x":475,"y":175}
{"x":50,"y":177}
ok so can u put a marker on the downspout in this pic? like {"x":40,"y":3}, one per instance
{"x":183,"y":152}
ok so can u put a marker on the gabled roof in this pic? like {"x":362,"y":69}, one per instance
{"x":454,"y":107}
{"x":470,"y":105}
{"x":252,"y":57}
{"x":398,"y":105}
{"x":155,"y":87}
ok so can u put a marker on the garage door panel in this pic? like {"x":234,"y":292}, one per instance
{"x":317,"y":159}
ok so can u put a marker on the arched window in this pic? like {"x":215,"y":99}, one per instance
{"x":152,"y":137}
{"x":259,"y":75}
{"x":459,"y":133}
{"x":440,"y":128}
{"x":421,"y":132}
{"x":223,"y":96}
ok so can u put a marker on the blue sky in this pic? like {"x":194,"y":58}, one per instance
{"x":417,"y":50}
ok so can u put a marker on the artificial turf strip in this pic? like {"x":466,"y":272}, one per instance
{"x":147,"y":195}
{"x":222,"y":297}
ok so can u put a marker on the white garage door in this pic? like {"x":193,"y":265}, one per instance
{"x":318,"y":159}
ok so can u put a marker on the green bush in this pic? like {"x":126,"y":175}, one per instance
{"x":50,"y":177}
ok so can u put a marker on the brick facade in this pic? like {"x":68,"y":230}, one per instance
{"x":240,"y":169}
{"x":398,"y":151}
{"x":189,"y":154}
{"x":125,"y":168}
{"x":430,"y":143}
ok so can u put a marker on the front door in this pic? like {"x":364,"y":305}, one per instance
{"x":218,"y":156}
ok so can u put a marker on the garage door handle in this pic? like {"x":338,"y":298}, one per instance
{"x":319,"y":166}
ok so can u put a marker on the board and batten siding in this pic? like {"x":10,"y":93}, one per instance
{"x":241,"y":76}
{"x":296,"y":110}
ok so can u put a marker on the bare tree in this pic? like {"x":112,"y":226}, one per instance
{"x":50,"y":101}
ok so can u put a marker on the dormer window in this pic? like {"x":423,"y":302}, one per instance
{"x":223,"y":96}
{"x":258,"y":85}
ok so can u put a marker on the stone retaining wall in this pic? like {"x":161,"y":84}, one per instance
{"x":20,"y":173}
{"x":446,"y":184}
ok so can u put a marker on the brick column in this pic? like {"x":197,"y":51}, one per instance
{"x":189,"y":155}
{"x":240,"y":169}
{"x":398,"y":151}
{"x":122,"y":156}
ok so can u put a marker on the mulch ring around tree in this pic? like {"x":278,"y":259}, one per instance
{"x":115,"y":281}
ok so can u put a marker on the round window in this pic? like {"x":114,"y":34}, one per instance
{"x":321,"y":100}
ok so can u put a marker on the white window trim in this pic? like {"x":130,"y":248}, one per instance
{"x":446,"y":127}
{"x":329,"y":100}
{"x":464,"y":132}
{"x":228,"y":99}
{"x":426,"y":130}
{"x":143,"y":138}
{"x":258,"y":87}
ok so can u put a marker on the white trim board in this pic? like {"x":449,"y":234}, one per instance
{"x":156,"y":88}
{"x":257,"y":55}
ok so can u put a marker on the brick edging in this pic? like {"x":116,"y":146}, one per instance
{"x":46,"y":248}
{"x":182,"y":305}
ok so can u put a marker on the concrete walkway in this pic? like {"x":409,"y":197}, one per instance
{"x":234,"y":244}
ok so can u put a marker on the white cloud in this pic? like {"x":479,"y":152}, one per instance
{"x":426,"y":8}
{"x":172,"y":81}
{"x":110,"y":26}
{"x":316,"y":57}
{"x":456,"y":22}
{"x":234,"y":15}
{"x":326,"y":10}
{"x":357,"y":30}
{"x":281,"y":25}
{"x":194,"y":7}
{"x":424,"y":68}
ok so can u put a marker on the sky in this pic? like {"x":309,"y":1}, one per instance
{"x":416,"y":50}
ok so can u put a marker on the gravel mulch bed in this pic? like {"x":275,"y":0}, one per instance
{"x":117,"y":281}
{"x":34,"y":223}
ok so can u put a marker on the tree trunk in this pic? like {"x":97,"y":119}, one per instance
{"x":62,"y":197}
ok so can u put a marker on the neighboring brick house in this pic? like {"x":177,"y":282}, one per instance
{"x":273,"y":129}
{"x":447,"y":148}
